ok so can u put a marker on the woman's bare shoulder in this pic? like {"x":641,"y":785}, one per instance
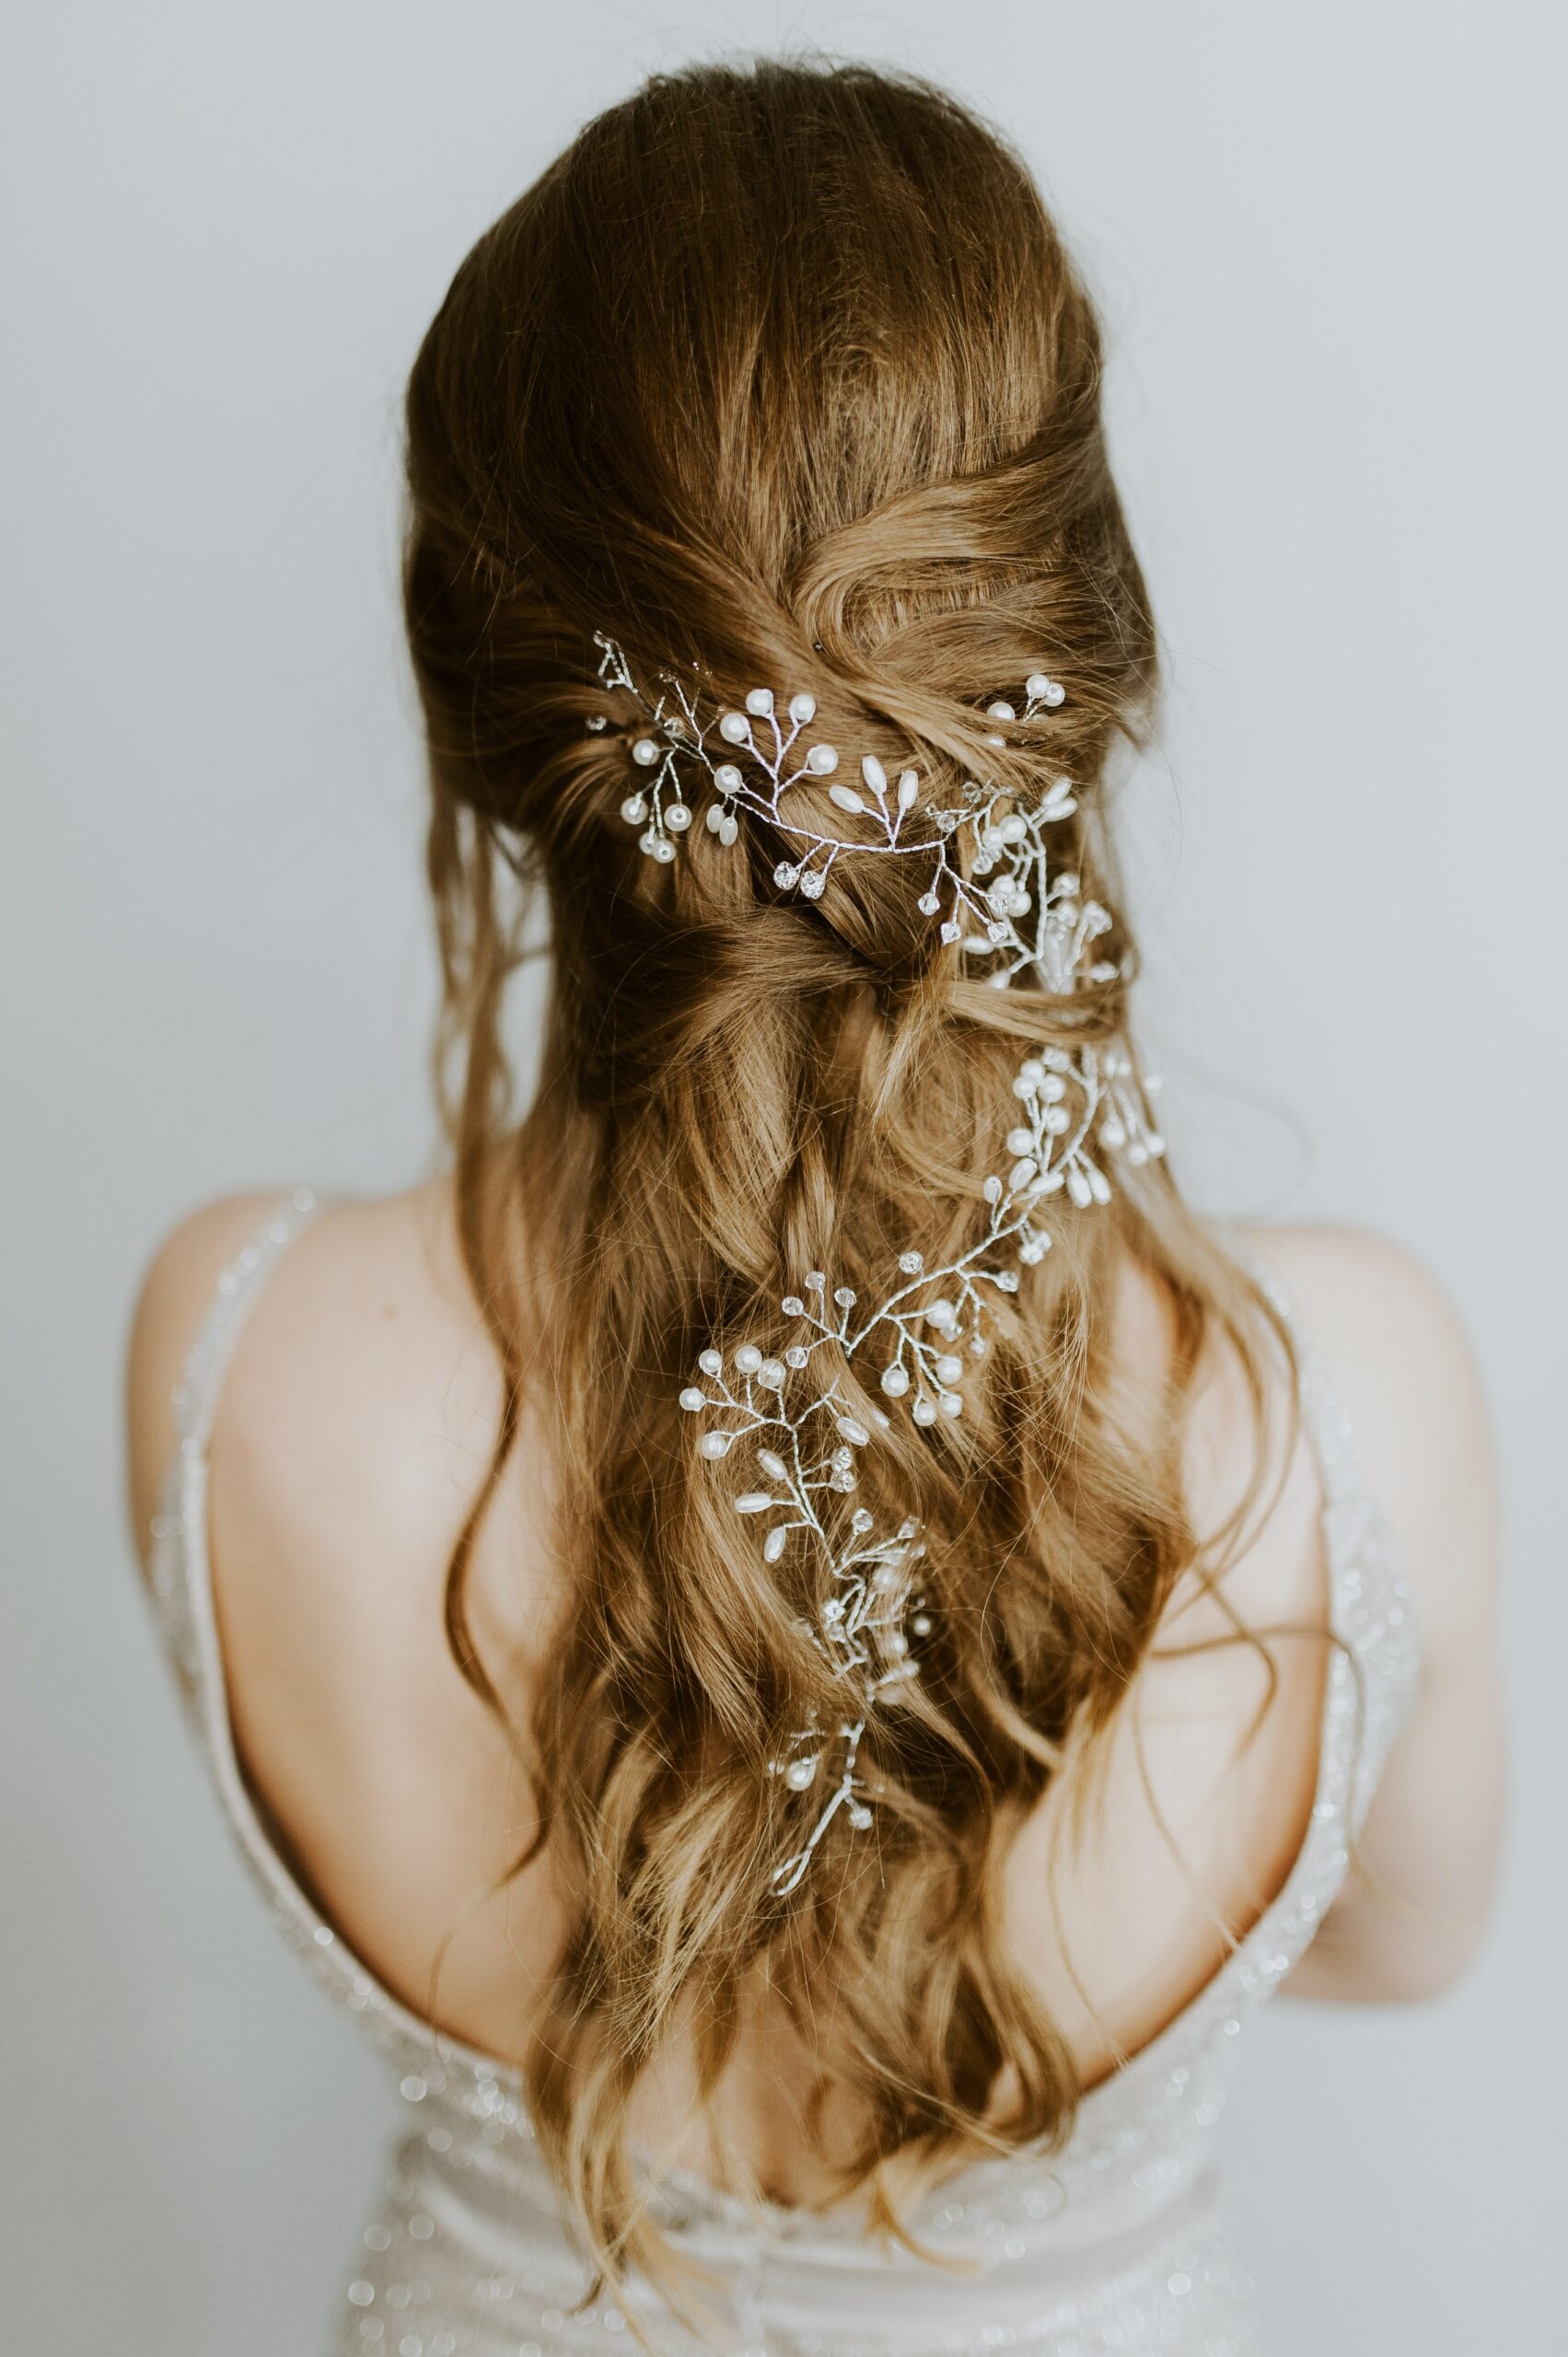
{"x":1397,"y":1355}
{"x":175,"y":1294}
{"x":1358,"y":1273}
{"x":363,"y":1326}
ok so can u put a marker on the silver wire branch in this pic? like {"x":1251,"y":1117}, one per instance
{"x":763,"y":756}
{"x":994,"y":891}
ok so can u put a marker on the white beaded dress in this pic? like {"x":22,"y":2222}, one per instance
{"x":1117,"y":2244}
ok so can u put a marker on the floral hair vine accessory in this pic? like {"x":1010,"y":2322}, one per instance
{"x":1074,"y":1110}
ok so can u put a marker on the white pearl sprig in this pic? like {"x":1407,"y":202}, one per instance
{"x":1073,"y":1107}
{"x":995,"y":895}
{"x":762,"y":754}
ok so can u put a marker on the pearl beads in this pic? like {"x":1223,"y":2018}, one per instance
{"x":986,"y":871}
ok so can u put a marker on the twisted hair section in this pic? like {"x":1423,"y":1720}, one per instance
{"x":782,"y":377}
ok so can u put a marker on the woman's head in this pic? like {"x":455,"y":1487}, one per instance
{"x":781,"y":379}
{"x":784,"y":374}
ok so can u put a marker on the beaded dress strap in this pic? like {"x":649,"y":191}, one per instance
{"x":237,"y":1287}
{"x":1371,"y":1606}
{"x":181,"y":1572}
{"x":181,"y":1582}
{"x":1328,"y":1426}
{"x":182,"y":1593}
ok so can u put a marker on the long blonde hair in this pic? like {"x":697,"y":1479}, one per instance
{"x":782,"y":376}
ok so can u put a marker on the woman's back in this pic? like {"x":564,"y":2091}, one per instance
{"x":352,"y":1426}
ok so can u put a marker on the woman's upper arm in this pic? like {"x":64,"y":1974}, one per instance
{"x":1415,"y":1905}
{"x":175,"y":1295}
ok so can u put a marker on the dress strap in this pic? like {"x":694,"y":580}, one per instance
{"x":1327,"y":1427}
{"x":1371,"y":1607}
{"x":182,"y":1590}
{"x":182,"y":1594}
{"x":237,"y":1287}
{"x":187,"y":1620}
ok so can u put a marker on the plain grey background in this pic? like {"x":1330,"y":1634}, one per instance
{"x":1330,"y":251}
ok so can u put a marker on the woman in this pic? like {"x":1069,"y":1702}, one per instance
{"x":798,"y":1637}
